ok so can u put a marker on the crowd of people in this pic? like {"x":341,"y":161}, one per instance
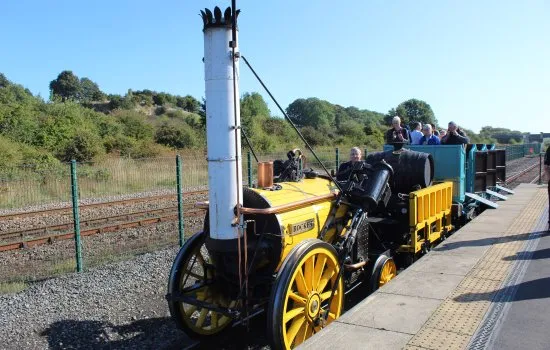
{"x":425,"y":134}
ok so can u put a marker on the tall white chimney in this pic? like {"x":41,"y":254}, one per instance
{"x":223,"y":134}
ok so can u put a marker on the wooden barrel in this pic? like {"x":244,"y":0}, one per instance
{"x":412,"y":170}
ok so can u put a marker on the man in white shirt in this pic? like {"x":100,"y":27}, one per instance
{"x":416,"y":134}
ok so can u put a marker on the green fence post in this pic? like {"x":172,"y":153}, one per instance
{"x":76,"y":217}
{"x":180,"y":200}
{"x":337,"y":158}
{"x":249,"y":164}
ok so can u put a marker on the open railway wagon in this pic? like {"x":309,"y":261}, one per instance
{"x":297,"y":242}
{"x":477,"y":171}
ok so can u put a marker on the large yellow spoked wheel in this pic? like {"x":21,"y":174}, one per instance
{"x":191,"y":277}
{"x":384,"y":271}
{"x":301,"y":303}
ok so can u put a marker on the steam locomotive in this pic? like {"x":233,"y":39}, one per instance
{"x":294,"y":244}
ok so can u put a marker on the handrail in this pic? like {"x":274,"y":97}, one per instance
{"x":278,"y":209}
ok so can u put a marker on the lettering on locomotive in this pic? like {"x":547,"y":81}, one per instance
{"x":303,"y":226}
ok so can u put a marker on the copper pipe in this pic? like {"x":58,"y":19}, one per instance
{"x":356,"y":266}
{"x":281,"y":208}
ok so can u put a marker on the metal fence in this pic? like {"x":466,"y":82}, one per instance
{"x":522,"y":150}
{"x":32,"y":188}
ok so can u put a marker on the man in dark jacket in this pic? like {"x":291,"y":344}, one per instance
{"x":397,"y":133}
{"x":344,"y":170}
{"x":454,"y":136}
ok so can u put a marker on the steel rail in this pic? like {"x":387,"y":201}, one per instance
{"x":520,"y":173}
{"x":97,"y":230}
{"x":89,"y":222}
{"x":101,"y":204}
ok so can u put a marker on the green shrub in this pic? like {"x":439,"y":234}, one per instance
{"x":177,"y":136}
{"x":135,"y":124}
{"x":82,"y":147}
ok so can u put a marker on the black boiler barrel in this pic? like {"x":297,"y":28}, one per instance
{"x":412,"y":169}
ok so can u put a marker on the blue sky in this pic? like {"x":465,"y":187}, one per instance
{"x":475,"y":62}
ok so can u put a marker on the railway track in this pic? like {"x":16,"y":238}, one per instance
{"x":97,"y":205}
{"x":36,"y":235}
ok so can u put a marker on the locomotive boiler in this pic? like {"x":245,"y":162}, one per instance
{"x":293,"y":245}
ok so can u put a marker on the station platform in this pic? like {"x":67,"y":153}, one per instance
{"x":485,"y":287}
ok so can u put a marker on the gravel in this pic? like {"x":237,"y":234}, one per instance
{"x":119,"y":306}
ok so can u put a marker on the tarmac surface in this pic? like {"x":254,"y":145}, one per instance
{"x":485,"y":287}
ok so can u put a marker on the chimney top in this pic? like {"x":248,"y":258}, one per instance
{"x":217,"y":19}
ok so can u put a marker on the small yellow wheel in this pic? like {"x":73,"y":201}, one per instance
{"x":191,"y":277}
{"x":384,"y":270}
{"x":301,"y":302}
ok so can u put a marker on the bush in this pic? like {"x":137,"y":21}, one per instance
{"x":9,"y":152}
{"x":83,"y":147}
{"x":178,"y":136}
{"x":145,"y":149}
{"x":119,"y":143}
{"x":135,"y":125}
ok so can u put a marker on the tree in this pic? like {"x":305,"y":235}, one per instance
{"x":66,"y":86}
{"x":311,"y":112}
{"x":188,"y":103}
{"x":4,"y":82}
{"x":89,"y":91}
{"x":410,"y":111}
{"x":252,"y":106}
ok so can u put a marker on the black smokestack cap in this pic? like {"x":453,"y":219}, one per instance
{"x":216,"y":19}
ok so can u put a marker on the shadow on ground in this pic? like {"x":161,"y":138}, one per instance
{"x":151,"y":333}
{"x":535,"y":289}
{"x":490,"y":241}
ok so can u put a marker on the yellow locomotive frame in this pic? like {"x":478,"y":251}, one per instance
{"x":429,"y":216}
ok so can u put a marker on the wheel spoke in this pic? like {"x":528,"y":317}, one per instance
{"x":331,"y":317}
{"x":324,"y":296}
{"x":294,"y":328}
{"x":199,"y":256}
{"x":202,"y":317}
{"x":200,"y":289}
{"x":223,"y":319}
{"x":302,"y":334}
{"x":308,"y":273}
{"x":318,"y":272}
{"x":292,"y":314}
{"x":298,"y":299}
{"x":190,"y":311}
{"x":301,"y":283}
{"x":327,"y":274}
{"x":192,"y":274}
{"x":214,"y":321}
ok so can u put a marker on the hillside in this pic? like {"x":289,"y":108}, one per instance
{"x":81,"y":122}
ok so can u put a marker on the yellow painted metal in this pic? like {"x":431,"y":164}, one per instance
{"x":389,"y":271}
{"x":308,"y":294}
{"x":201,"y":320}
{"x":319,"y":213}
{"x":429,"y":215}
